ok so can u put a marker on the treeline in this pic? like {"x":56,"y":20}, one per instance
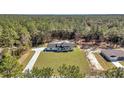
{"x":24,"y":31}
{"x":66,"y":71}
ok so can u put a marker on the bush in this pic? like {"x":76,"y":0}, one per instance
{"x":113,"y":73}
{"x":39,"y":73}
{"x":69,"y":71}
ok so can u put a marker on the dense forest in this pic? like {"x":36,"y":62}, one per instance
{"x":25,"y":31}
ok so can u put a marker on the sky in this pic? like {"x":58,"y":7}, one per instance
{"x":61,"y":6}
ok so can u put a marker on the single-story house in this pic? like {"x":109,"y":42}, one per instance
{"x":112,"y":55}
{"x":60,"y":46}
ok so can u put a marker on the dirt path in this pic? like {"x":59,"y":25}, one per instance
{"x":23,"y":57}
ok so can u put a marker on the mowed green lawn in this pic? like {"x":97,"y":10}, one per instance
{"x":54,"y":60}
{"x":105,"y":64}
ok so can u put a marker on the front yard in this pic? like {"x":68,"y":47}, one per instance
{"x":54,"y":60}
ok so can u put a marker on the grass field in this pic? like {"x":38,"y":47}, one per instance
{"x":27,"y":59}
{"x":106,"y":65}
{"x":54,"y":60}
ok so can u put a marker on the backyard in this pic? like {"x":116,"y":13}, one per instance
{"x":54,"y":60}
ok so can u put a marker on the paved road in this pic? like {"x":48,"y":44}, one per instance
{"x":33,"y":59}
{"x":93,"y":60}
{"x":117,"y":64}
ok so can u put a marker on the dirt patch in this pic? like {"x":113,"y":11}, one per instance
{"x":24,"y":56}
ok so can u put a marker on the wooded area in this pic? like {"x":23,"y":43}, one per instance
{"x":21,"y":32}
{"x":25,"y":31}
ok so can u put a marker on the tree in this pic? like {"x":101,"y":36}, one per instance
{"x":40,"y":73}
{"x":9,"y":66}
{"x":24,"y":37}
{"x":1,"y":30}
{"x":8,"y":37}
{"x":113,"y":73}
{"x":69,"y":71}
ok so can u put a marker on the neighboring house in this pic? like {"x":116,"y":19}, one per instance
{"x":60,"y":46}
{"x":113,"y":55}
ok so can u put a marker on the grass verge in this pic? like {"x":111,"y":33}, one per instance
{"x":105,"y":64}
{"x":27,"y":59}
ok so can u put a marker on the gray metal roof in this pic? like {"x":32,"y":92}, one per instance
{"x":61,"y":43}
{"x":112,"y":52}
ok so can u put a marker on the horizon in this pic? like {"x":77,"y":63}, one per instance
{"x":66,"y":14}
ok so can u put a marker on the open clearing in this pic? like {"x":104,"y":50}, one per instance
{"x":54,"y":60}
{"x":105,"y":64}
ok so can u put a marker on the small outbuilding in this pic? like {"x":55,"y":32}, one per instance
{"x":112,"y":55}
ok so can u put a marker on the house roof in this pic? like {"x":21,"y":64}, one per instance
{"x":61,"y":43}
{"x":112,"y":52}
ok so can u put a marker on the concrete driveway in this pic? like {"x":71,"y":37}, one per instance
{"x":117,"y":64}
{"x":33,"y":59}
